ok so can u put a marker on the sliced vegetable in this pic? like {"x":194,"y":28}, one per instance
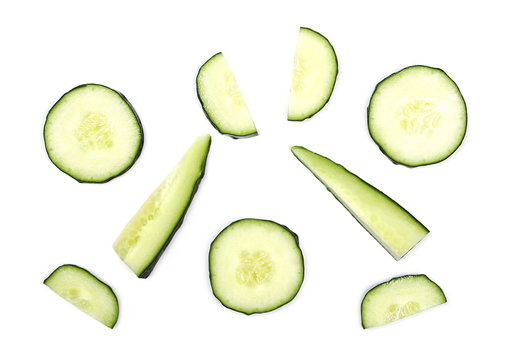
{"x":86,"y":292}
{"x":148,"y":233}
{"x":394,"y":227}
{"x":255,"y":266}
{"x":221,"y":99}
{"x":314,"y":75}
{"x":398,"y":298}
{"x":93,"y":134}
{"x":417,"y":116}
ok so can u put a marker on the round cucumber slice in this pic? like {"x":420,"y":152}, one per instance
{"x":417,"y":116}
{"x":398,"y":298}
{"x":315,"y":71}
{"x":93,"y":134}
{"x":255,"y":266}
{"x":85,"y":291}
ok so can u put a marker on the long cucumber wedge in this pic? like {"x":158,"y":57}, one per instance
{"x":389,"y":223}
{"x":148,"y":233}
{"x":85,"y":291}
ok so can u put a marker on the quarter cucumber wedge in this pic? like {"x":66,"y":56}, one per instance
{"x":86,"y":292}
{"x":93,"y":134}
{"x":255,"y":266}
{"x":148,"y":233}
{"x":398,"y":298}
{"x":417,"y":116}
{"x":389,"y":223}
{"x":314,"y":74}
{"x":221,"y":99}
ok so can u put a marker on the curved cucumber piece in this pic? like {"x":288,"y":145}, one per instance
{"x":86,"y":292}
{"x":221,"y":99}
{"x":389,"y":223}
{"x":149,"y":232}
{"x":255,"y":266}
{"x":93,"y":134}
{"x":398,"y":298}
{"x":314,"y":74}
{"x":417,"y":116}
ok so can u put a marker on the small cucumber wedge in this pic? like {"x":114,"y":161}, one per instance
{"x":417,"y":116}
{"x":149,"y":232}
{"x":314,"y":74}
{"x":221,"y":99}
{"x":255,"y":266}
{"x":389,"y":223}
{"x":398,"y":298}
{"x":93,"y":134}
{"x":86,"y":292}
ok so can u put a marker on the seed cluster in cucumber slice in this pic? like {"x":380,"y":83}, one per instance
{"x":221,"y":99}
{"x":93,"y":134}
{"x":417,"y":116}
{"x":315,"y":71}
{"x":255,"y":266}
{"x":85,"y":291}
{"x":399,"y":298}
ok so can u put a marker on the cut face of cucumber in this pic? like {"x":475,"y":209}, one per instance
{"x":93,"y":134}
{"x":255,"y":266}
{"x":148,"y":233}
{"x":399,"y":298}
{"x":389,"y":223}
{"x":86,"y":292}
{"x":314,"y":74}
{"x":417,"y":116}
{"x":221,"y":99}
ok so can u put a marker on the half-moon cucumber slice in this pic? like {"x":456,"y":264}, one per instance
{"x":221,"y":99}
{"x":398,"y":298}
{"x":314,"y":74}
{"x":86,"y":292}
{"x":255,"y":266}
{"x":93,"y":134}
{"x":417,"y":116}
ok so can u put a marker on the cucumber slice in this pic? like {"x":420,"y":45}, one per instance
{"x":255,"y":266}
{"x":398,"y":298}
{"x":86,"y":292}
{"x":149,"y":232}
{"x":389,"y":223}
{"x":93,"y":134}
{"x":417,"y":116}
{"x":314,"y":74}
{"x":221,"y":99}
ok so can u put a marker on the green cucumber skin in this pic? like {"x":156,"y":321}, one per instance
{"x":206,"y":113}
{"x":386,"y":282}
{"x":335,"y":78}
{"x":147,"y":271}
{"x":362,"y":180}
{"x":140,"y":146}
{"x":383,"y":150}
{"x":301,"y":255}
{"x":95,"y":277}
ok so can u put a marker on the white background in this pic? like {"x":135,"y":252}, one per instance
{"x":151,"y":52}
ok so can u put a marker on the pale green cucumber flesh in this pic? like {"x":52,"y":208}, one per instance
{"x":417,"y":116}
{"x":93,"y":134}
{"x":255,"y":266}
{"x":315,"y":70}
{"x":399,"y":298}
{"x":222,"y":100}
{"x":389,"y":223}
{"x":85,"y":291}
{"x":148,"y":233}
